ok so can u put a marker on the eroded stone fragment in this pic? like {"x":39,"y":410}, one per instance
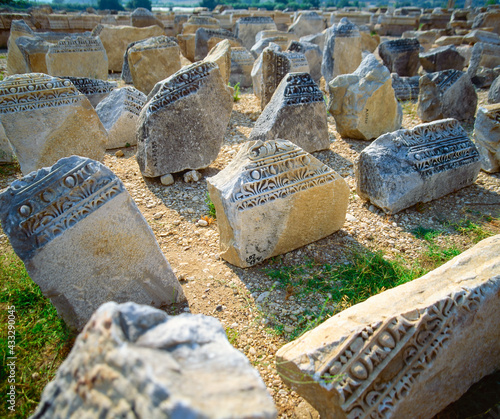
{"x":487,"y":136}
{"x":242,"y":62}
{"x":494,"y":93}
{"x":220,"y":54}
{"x":405,"y":88}
{"x":297,"y":112}
{"x":313,"y":55}
{"x":47,"y":118}
{"x":308,"y":23}
{"x":16,"y":63}
{"x":119,"y":113}
{"x":408,"y":166}
{"x":206,"y":39}
{"x":247,"y":27}
{"x":144,"y":18}
{"x":6,"y":152}
{"x":273,"y":198}
{"x":446,"y":94}
{"x":401,"y":56}
{"x":196,"y":22}
{"x":183,"y":124}
{"x":95,"y":90}
{"x":442,"y":58}
{"x":78,"y":57}
{"x":483,"y":55}
{"x":152,"y":365}
{"x":51,"y":218}
{"x":259,"y":46}
{"x":363,"y":103}
{"x":34,"y":50}
{"x":434,"y":338}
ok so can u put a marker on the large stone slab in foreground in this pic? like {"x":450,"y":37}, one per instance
{"x":51,"y":218}
{"x":136,"y":361}
{"x":402,"y":168}
{"x":407,"y":352}
{"x":273,"y":198}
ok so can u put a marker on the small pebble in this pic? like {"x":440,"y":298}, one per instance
{"x":167,"y":179}
{"x":119,"y":153}
{"x":202,"y":223}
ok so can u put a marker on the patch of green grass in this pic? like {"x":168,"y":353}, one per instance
{"x":236,"y":91}
{"x":232,"y":335}
{"x":42,"y":340}
{"x":427,"y":234}
{"x":472,"y":230}
{"x":211,"y":207}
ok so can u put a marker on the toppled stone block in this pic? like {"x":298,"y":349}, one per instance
{"x":313,"y":54}
{"x":143,"y":18}
{"x":446,"y":94}
{"x":401,"y":56}
{"x":194,"y":23}
{"x":408,"y":166}
{"x":308,"y":23}
{"x":242,"y":62}
{"x":442,"y":58}
{"x":153,"y":60}
{"x":257,"y":72}
{"x":434,"y":338}
{"x":477,"y":35}
{"x":487,"y":136}
{"x":119,"y":113}
{"x":95,"y":90}
{"x":297,"y":112}
{"x":126,"y":76}
{"x":220,"y":54}
{"x":494,"y":93}
{"x":273,"y":198}
{"x":489,"y":19}
{"x":47,"y":118}
{"x":34,"y":50}
{"x":483,"y":55}
{"x":183,"y":124}
{"x":363,"y":103}
{"x":247,"y":27}
{"x":485,"y":77}
{"x":51,"y":217}
{"x":206,"y":39}
{"x":141,"y":362}
{"x":405,"y":88}
{"x":16,"y":63}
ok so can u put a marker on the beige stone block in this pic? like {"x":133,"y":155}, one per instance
{"x":221,"y":55}
{"x":187,"y":43}
{"x":16,"y":63}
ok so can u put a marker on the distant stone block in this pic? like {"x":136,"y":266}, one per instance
{"x":247,"y":27}
{"x":401,"y":56}
{"x":442,"y":58}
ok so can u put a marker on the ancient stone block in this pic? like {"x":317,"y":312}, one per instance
{"x":273,"y":198}
{"x":446,"y":94}
{"x":308,"y":23}
{"x":51,"y":218}
{"x":34,"y":50}
{"x":494,"y":93}
{"x":487,"y":136}
{"x":363,"y":103}
{"x":6,"y":152}
{"x":483,"y":55}
{"x":220,"y":54}
{"x":317,"y":39}
{"x":489,"y":19}
{"x":296,"y":112}
{"x":405,"y":88}
{"x":257,"y":72}
{"x":95,"y":90}
{"x":119,"y":113}
{"x":401,"y":56}
{"x":152,"y":60}
{"x":196,"y":22}
{"x":78,"y":57}
{"x":442,"y":58}
{"x":275,"y":66}
{"x":143,"y":18}
{"x":369,"y":42}
{"x":342,"y":51}
{"x":449,"y":40}
{"x":475,"y":36}
{"x":242,"y":62}
{"x":271,"y":34}
{"x":247,"y":27}
{"x":16,"y":63}
{"x":206,"y":39}
{"x":47,"y":118}
{"x":183,"y":124}
{"x":116,"y":39}
{"x":259,"y":46}
{"x":405,"y":167}
{"x":485,"y":77}
{"x":142,"y":362}
{"x":313,"y":55}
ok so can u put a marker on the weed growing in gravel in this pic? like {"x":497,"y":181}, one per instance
{"x":211,"y":207}
{"x":232,"y":335}
{"x":236,"y":91}
{"x":427,"y":234}
{"x":42,"y":338}
{"x":474,"y":231}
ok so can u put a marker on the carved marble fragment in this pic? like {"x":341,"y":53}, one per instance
{"x":95,"y":90}
{"x":408,"y":166}
{"x":405,"y":88}
{"x":84,"y":241}
{"x":434,"y":338}
{"x":487,"y":136}
{"x":272,"y":198}
{"x":401,"y":56}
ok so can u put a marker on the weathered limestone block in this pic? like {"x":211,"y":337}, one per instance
{"x":342,"y":51}
{"x":126,"y":76}
{"x":51,"y":218}
{"x":405,"y":167}
{"x":119,"y":113}
{"x":259,"y":46}
{"x":196,"y":22}
{"x":313,"y":55}
{"x":273,"y":198}
{"x":477,"y":35}
{"x":449,"y":40}
{"x":16,"y":64}
{"x":271,"y":34}
{"x":405,"y":88}
{"x":206,"y":39}
{"x":247,"y":27}
{"x":187,"y":45}
{"x":483,"y":55}
{"x":426,"y":39}
{"x":6,"y":152}
{"x":308,"y":23}
{"x":442,"y":58}
{"x":490,"y":19}
{"x":275,"y":66}
{"x":257,"y":72}
{"x":183,"y":124}
{"x":220,"y":54}
{"x":242,"y":63}
{"x":296,"y":112}
{"x":401,"y":56}
{"x":46,"y":118}
{"x":317,"y":39}
{"x":116,"y":39}
{"x":446,"y":94}
{"x":34,"y":50}
{"x":152,"y":60}
{"x":143,"y":18}
{"x":141,"y":362}
{"x":487,"y":136}
{"x":95,"y":90}
{"x":363,"y":103}
{"x":494,"y":93}
{"x":78,"y":57}
{"x":369,"y":42}
{"x":407,"y":352}
{"x":485,"y":77}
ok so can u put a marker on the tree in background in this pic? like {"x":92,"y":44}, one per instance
{"x":109,"y":4}
{"x":134,"y":4}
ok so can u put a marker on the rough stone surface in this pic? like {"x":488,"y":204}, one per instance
{"x":194,"y":23}
{"x":446,"y":94}
{"x":16,"y":64}
{"x":273,"y":198}
{"x":51,"y":218}
{"x":342,"y":50}
{"x":153,"y":60}
{"x":313,"y":55}
{"x":95,"y":90}
{"x":494,"y":93}
{"x":483,"y":55}
{"x":47,"y":118}
{"x":296,"y":112}
{"x":144,"y":363}
{"x":434,"y":338}
{"x":485,"y":77}
{"x":487,"y":136}
{"x":405,"y":167}
{"x":442,"y":58}
{"x":220,"y":54}
{"x":206,"y":39}
{"x":308,"y":23}
{"x":363,"y":103}
{"x":247,"y":27}
{"x":259,"y":46}
{"x":34,"y":50}
{"x":126,"y":76}
{"x":119,"y":113}
{"x":490,"y":19}
{"x":78,"y":57}
{"x":405,"y":88}
{"x":242,"y":62}
{"x":143,"y":18}
{"x":477,"y":35}
{"x":369,"y":42}
{"x":183,"y":124}
{"x":6,"y":152}
{"x":256,"y":73}
{"x":401,"y":56}
{"x":116,"y":39}
{"x":316,"y":39}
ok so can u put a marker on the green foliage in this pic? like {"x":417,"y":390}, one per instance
{"x":211,"y":207}
{"x":109,"y":5}
{"x":236,"y":94}
{"x":232,"y":335}
{"x":474,"y":231}
{"x":427,"y":234}
{"x":210,"y":4}
{"x":134,"y":4}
